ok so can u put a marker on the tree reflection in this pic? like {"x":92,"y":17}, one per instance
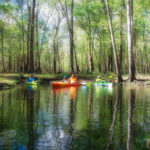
{"x":2,"y":112}
{"x":131,"y":102}
{"x":111,"y":129}
{"x":90,"y":103}
{"x":56,"y":132}
{"x":30,"y":119}
{"x":90,"y":115}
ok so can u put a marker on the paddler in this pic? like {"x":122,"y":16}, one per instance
{"x":100,"y":79}
{"x":65,"y":79}
{"x":73,"y":79}
{"x":31,"y":78}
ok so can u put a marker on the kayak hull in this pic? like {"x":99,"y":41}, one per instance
{"x":107,"y":84}
{"x":62,"y":84}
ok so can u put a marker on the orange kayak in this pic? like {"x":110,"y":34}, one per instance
{"x":62,"y":84}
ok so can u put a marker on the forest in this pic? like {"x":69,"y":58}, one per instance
{"x":81,"y":36}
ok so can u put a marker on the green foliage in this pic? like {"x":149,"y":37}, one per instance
{"x":90,"y":24}
{"x":5,"y":8}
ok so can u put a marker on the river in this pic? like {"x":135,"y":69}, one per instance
{"x":75,"y":118}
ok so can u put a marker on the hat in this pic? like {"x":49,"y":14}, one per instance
{"x":65,"y":76}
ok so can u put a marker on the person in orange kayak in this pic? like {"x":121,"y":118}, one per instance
{"x":65,"y":79}
{"x":73,"y":79}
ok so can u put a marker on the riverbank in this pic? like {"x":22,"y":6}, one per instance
{"x":7,"y":83}
{"x":8,"y":80}
{"x":11,"y":79}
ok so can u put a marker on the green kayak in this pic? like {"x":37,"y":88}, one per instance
{"x":32,"y":83}
{"x":107,"y":84}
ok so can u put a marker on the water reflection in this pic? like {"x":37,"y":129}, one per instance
{"x":131,"y":102}
{"x":32,"y":87}
{"x":71,"y":91}
{"x":75,"y":118}
{"x":111,"y":129}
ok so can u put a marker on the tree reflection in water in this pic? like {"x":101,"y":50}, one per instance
{"x":131,"y":102}
{"x":111,"y":129}
{"x":30,"y":119}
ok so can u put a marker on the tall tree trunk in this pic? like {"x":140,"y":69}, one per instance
{"x":2,"y":44}
{"x":28,"y":37}
{"x":76,"y":61}
{"x":130,"y":42}
{"x":37,"y":45}
{"x":71,"y":39}
{"x":145,"y":54}
{"x":31,"y":67}
{"x":10,"y":59}
{"x":54,"y":60}
{"x":121,"y":40}
{"x":55,"y":47}
{"x":58,"y":57}
{"x":110,"y":60}
{"x":14,"y":63}
{"x":10,"y":62}
{"x":119,"y":77}
{"x":91,"y":64}
{"x":70,"y":24}
{"x":23,"y":40}
{"x":133,"y":42}
{"x":100,"y":56}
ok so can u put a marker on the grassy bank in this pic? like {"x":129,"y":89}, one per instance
{"x":7,"y":83}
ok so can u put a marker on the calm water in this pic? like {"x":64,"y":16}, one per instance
{"x":84,"y":118}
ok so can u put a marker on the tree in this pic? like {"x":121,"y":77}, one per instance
{"x":88,"y":21}
{"x":31,"y":67}
{"x":55,"y":42}
{"x":2,"y":45}
{"x":70,"y":24}
{"x":130,"y":40}
{"x":119,"y":77}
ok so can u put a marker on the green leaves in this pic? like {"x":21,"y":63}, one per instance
{"x":5,"y":8}
{"x":88,"y":14}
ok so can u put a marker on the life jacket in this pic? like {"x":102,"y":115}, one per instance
{"x":73,"y":80}
{"x":30,"y":79}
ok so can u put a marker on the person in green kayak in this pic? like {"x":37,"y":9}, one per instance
{"x":65,"y":79}
{"x":100,"y":79}
{"x":31,"y":78}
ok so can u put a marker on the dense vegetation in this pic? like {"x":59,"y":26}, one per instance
{"x":53,"y":36}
